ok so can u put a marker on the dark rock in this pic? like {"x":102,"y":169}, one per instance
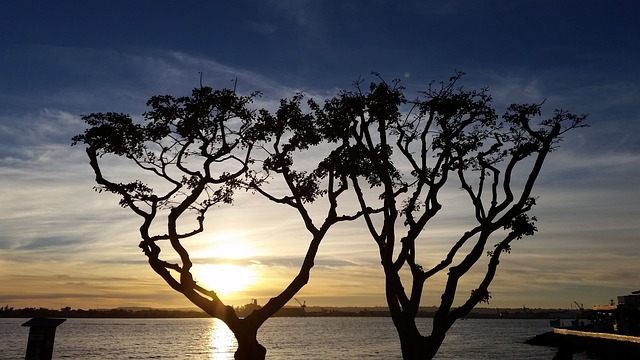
{"x":547,"y":339}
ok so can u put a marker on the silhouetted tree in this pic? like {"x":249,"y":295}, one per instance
{"x":401,"y":154}
{"x":192,"y":152}
{"x":397,"y":155}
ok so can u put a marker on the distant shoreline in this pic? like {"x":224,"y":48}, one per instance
{"x":139,"y":312}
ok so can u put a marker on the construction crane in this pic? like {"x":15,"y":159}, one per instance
{"x":580,"y":306}
{"x":302,"y":304}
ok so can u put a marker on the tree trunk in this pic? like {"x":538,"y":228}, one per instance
{"x":250,"y":349}
{"x":248,"y":346}
{"x":418,"y":347}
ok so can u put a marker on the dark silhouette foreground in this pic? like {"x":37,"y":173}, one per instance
{"x":191,"y":154}
{"x":404,"y":157}
{"x":393,"y":157}
{"x":601,"y":349}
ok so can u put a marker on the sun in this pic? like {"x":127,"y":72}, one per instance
{"x":220,"y":264}
{"x":224,"y":279}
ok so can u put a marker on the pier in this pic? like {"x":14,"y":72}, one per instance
{"x":603,"y":346}
{"x":598,"y":335}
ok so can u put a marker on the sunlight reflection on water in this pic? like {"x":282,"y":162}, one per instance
{"x":221,"y":341}
{"x":285,"y":339}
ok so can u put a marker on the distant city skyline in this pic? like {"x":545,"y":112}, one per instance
{"x":62,"y":244}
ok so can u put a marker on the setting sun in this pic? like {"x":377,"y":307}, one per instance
{"x":224,"y":279}
{"x":215,"y":270}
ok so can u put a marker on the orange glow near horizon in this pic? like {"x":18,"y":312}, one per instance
{"x":221,"y":274}
{"x":225,"y":279}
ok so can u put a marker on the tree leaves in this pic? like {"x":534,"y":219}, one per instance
{"x":203,"y":147}
{"x":522,"y":225}
{"x":112,"y":133}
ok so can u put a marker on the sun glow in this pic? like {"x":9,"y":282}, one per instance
{"x":229,"y":245}
{"x":218,"y":267}
{"x":224,"y":279}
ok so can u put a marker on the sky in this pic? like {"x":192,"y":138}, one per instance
{"x":63,"y":244}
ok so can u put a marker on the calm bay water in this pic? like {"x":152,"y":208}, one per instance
{"x":284,"y":338}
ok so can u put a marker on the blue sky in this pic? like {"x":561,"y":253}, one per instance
{"x":62,"y":244}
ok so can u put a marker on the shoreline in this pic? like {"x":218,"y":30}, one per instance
{"x":480,"y":313}
{"x":601,"y":345}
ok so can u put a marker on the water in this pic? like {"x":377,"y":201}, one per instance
{"x":284,"y":338}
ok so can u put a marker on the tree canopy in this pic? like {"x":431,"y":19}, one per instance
{"x":393,"y":156}
{"x":403,"y":154}
{"x":192,"y":153}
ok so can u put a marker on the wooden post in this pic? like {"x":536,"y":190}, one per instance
{"x":42,"y":335}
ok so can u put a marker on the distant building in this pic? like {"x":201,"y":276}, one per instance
{"x":623,"y":318}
